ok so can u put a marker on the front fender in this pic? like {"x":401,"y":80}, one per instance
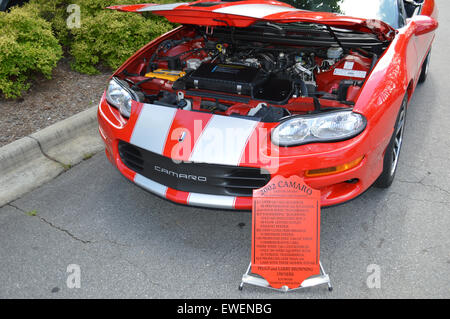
{"x":384,"y":90}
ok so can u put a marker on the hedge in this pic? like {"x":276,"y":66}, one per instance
{"x":105,"y":37}
{"x":27,"y":47}
{"x":34,"y":36}
{"x":110,"y":37}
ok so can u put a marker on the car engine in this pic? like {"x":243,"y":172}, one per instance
{"x":241,"y":78}
{"x":269,"y":74}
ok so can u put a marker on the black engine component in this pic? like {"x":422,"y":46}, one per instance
{"x":240,"y":79}
{"x":271,"y":114}
{"x":167,"y":99}
{"x":343,"y":88}
{"x":174,"y":63}
{"x":230,"y":78}
{"x":275,"y":90}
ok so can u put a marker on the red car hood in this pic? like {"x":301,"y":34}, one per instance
{"x":245,"y":13}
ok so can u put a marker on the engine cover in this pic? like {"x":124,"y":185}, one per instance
{"x":230,"y":78}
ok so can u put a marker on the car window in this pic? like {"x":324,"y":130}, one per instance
{"x":384,"y":10}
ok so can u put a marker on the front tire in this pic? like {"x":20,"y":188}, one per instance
{"x":392,"y":154}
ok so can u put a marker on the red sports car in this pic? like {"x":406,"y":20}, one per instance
{"x":242,"y":91}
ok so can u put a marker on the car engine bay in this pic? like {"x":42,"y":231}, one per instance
{"x":201,"y":71}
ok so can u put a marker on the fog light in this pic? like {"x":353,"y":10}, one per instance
{"x":333,"y":170}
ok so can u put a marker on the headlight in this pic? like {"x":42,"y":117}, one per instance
{"x":325,"y":127}
{"x":120,"y":96}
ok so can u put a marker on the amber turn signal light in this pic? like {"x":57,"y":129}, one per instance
{"x":333,"y":170}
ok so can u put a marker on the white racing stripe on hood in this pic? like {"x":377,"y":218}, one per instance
{"x":161,"y":7}
{"x":254,"y":10}
{"x":152,"y":127}
{"x":223,"y":140}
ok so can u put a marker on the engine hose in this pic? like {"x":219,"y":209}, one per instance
{"x":374,"y":61}
{"x":303,"y":87}
{"x":214,"y":105}
{"x":137,"y":84}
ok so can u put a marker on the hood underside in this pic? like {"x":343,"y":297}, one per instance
{"x":246,"y":13}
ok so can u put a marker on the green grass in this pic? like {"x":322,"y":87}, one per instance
{"x":32,"y":213}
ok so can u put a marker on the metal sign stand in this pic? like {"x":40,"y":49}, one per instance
{"x":256,"y":280}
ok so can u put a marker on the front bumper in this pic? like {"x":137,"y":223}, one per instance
{"x":335,"y":189}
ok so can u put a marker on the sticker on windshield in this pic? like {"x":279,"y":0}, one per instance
{"x":350,"y":73}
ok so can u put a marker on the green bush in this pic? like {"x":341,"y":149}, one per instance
{"x":111,"y":37}
{"x":27,"y":47}
{"x":105,"y":37}
{"x":54,"y":11}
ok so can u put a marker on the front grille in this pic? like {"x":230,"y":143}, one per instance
{"x":193,"y":177}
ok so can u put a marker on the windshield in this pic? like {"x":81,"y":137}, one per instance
{"x":384,"y":10}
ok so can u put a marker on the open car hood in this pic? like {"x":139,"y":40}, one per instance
{"x":246,"y":13}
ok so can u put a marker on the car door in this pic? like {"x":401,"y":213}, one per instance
{"x":422,"y":42}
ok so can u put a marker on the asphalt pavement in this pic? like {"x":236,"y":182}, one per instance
{"x":130,"y":243}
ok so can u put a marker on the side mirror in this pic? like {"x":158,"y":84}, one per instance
{"x":424,"y":24}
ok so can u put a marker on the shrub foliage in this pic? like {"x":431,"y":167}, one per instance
{"x":105,"y":37}
{"x":34,"y":36}
{"x":110,"y":37}
{"x":27,"y":47}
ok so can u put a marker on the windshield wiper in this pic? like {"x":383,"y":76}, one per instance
{"x":275,"y":26}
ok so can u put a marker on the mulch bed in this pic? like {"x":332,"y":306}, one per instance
{"x":50,"y":101}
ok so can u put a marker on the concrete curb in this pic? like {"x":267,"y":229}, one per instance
{"x":36,"y":159}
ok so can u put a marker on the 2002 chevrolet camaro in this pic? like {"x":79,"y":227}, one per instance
{"x":242,"y":91}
